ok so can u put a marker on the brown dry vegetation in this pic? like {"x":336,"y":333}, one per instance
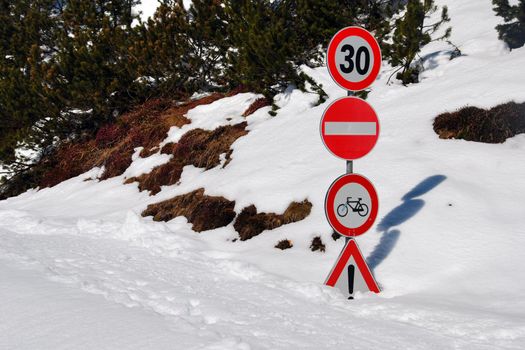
{"x":257,"y":104}
{"x":249,"y":223}
{"x":227,"y":158}
{"x":114,"y":144}
{"x":317,"y":244}
{"x":476,"y":124}
{"x":204,"y":212}
{"x":69,"y":161}
{"x":163,"y":175}
{"x":238,"y":90}
{"x":198,"y":147}
{"x":335,"y":236}
{"x":284,"y":244}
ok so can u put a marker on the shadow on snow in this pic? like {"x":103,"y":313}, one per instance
{"x":411,"y":206}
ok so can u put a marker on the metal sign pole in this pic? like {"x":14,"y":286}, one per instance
{"x":350,"y":170}
{"x":349,"y":163}
{"x":349,"y":166}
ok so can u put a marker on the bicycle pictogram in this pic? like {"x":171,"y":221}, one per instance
{"x":356,"y":206}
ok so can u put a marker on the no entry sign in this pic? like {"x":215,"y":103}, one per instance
{"x":351,"y":205}
{"x":354,"y":58}
{"x":349,"y":128}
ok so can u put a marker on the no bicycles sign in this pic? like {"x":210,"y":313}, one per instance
{"x":351,"y":205}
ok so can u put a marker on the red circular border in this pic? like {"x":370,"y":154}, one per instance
{"x":339,"y":100}
{"x":332,"y":69}
{"x":330,"y":199}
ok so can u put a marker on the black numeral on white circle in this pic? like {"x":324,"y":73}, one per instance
{"x":362,"y":60}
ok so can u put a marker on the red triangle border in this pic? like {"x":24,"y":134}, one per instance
{"x":351,"y":249}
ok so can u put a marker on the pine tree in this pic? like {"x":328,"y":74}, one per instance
{"x":411,"y":34}
{"x":208,"y":42}
{"x":504,"y":9}
{"x":271,"y":40}
{"x":92,"y":65}
{"x":182,"y":51}
{"x":513,"y":31}
{"x":314,"y":24}
{"x":262,"y":36}
{"x":376,"y":15}
{"x":27,"y":36}
{"x":65,"y":68}
{"x":161,"y":50}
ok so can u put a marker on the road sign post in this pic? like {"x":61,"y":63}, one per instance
{"x":349,"y":129}
{"x":349,"y":163}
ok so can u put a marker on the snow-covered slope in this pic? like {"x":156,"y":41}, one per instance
{"x":446,"y":249}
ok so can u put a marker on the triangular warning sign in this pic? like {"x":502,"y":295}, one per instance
{"x":350,"y":273}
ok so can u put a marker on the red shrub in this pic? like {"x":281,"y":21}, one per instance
{"x":113,"y":145}
{"x":108,"y":135}
{"x":198,"y":147}
{"x":163,"y":175}
{"x":117,"y":162}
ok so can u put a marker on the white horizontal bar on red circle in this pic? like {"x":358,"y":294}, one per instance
{"x":350,"y":128}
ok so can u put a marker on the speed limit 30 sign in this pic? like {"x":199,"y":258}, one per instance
{"x":354,"y":58}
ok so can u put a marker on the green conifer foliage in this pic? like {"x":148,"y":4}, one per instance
{"x":273,"y":39}
{"x":27,"y":34}
{"x":161,"y":49}
{"x":181,"y":51}
{"x":411,"y":34}
{"x":65,"y":68}
{"x":376,"y":16}
{"x":315,"y":22}
{"x":92,"y":67}
{"x":261,"y":35}
{"x":513,"y":30}
{"x":208,"y":42}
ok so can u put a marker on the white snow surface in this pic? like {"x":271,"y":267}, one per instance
{"x":81,"y":269}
